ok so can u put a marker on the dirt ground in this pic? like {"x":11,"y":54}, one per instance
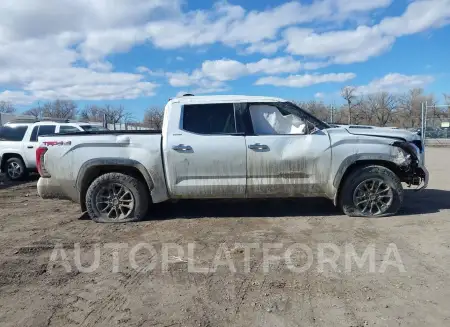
{"x":413,"y":291}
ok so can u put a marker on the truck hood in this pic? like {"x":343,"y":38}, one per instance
{"x":383,"y":132}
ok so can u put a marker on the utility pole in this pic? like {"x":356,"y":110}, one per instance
{"x":332,"y":109}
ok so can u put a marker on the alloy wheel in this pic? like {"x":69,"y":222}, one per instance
{"x":115,"y":200}
{"x":373,"y":197}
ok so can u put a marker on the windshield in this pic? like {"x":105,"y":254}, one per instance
{"x":93,"y":128}
{"x":9,"y":133}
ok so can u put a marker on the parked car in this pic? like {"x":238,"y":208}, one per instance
{"x":231,"y":147}
{"x":433,"y":132}
{"x":19,"y":140}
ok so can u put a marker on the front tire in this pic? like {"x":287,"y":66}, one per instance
{"x":371,"y":191}
{"x":117,"y":198}
{"x":15,"y":169}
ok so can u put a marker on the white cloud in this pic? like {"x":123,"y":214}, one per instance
{"x":180,"y":79}
{"x":342,"y":46}
{"x":101,"y":66}
{"x":348,"y":6}
{"x":17,"y":97}
{"x":214,"y":73}
{"x":266,"y":48}
{"x":24,"y":19}
{"x":395,"y":83}
{"x":99,"y":44}
{"x":364,"y":42}
{"x":205,"y":90}
{"x":419,"y":16}
{"x":107,"y":91}
{"x":226,"y":69}
{"x":62,"y":46}
{"x":313,"y":65}
{"x":275,"y":66}
{"x":78,"y":83}
{"x":258,"y":26}
{"x":304,"y":80}
{"x":56,"y":48}
{"x":46,"y":52}
{"x":319,"y":95}
{"x":233,"y":25}
{"x":148,"y":71}
{"x":223,"y":70}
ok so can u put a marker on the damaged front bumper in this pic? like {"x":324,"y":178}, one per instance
{"x":425,"y":176}
{"x":410,"y":159}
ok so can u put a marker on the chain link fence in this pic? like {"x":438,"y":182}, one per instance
{"x":437,"y":121}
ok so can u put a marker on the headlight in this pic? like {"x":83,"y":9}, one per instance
{"x":410,"y":148}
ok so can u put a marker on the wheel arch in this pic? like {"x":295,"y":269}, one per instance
{"x":8,"y":155}
{"x":352,"y":164}
{"x":94,"y":168}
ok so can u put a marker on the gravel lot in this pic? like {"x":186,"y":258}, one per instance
{"x":37,"y":291}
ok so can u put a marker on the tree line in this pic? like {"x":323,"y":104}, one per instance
{"x":379,"y":109}
{"x":67,"y":109}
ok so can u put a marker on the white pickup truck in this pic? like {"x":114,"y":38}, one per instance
{"x":19,"y":141}
{"x":231,"y":147}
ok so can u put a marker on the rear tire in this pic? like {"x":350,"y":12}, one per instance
{"x":371,"y":191}
{"x":117,"y":198}
{"x":15,"y":169}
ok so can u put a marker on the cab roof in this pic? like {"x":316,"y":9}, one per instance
{"x":192,"y":99}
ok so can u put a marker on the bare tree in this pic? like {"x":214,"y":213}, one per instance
{"x":381,"y":107}
{"x":410,"y":106}
{"x":63,"y":109}
{"x":447,"y":102}
{"x":7,"y":107}
{"x":349,"y":95}
{"x":447,"y":98}
{"x":112,"y":114}
{"x":115,"y":115}
{"x":36,"y":112}
{"x":92,"y":113}
{"x":153,"y":118}
{"x":360,"y":112}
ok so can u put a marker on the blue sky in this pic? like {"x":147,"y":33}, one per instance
{"x":140,"y":53}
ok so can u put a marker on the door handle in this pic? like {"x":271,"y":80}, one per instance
{"x":182,"y":148}
{"x":30,"y":147}
{"x":258,"y":147}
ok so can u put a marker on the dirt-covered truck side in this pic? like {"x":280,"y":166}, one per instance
{"x":231,"y":147}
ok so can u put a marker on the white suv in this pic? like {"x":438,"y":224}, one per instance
{"x":18,"y":143}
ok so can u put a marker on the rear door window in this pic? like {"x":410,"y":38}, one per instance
{"x":46,"y":130}
{"x":33,"y":137}
{"x":43,"y":130}
{"x":209,"y":119}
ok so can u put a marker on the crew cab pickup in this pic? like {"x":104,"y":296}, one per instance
{"x":231,"y":147}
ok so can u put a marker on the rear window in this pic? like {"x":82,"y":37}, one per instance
{"x":63,"y":129}
{"x":93,"y":128}
{"x":8,"y":133}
